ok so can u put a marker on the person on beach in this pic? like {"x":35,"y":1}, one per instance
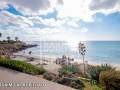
{"x":30,"y":52}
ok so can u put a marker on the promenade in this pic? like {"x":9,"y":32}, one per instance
{"x":15,"y":77}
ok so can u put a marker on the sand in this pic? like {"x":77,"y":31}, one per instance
{"x":48,"y":61}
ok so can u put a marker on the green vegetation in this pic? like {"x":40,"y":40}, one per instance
{"x":110,"y":80}
{"x":88,"y":86}
{"x":9,"y":46}
{"x":0,"y":34}
{"x":105,"y":76}
{"x":16,"y":40}
{"x":21,"y":66}
{"x":10,"y":42}
{"x":72,"y":82}
{"x":94,"y":71}
{"x":67,"y":76}
{"x":50,"y":76}
{"x":69,"y":70}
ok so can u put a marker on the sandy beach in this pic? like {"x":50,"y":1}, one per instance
{"x":48,"y":62}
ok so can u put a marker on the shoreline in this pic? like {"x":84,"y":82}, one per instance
{"x":45,"y":59}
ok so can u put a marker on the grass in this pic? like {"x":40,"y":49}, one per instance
{"x":21,"y":66}
{"x":88,"y":86}
{"x":94,"y":71}
{"x":68,"y":70}
{"x":110,"y":80}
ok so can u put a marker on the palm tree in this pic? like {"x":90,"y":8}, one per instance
{"x":16,"y":38}
{"x":0,"y":34}
{"x":8,"y":38}
{"x":82,"y":50}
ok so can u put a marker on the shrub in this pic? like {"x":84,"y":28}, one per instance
{"x":110,"y":80}
{"x":76,"y":83}
{"x":21,"y":66}
{"x":72,"y":82}
{"x":50,"y":76}
{"x":69,"y":70}
{"x":64,"y":81}
{"x":94,"y":71}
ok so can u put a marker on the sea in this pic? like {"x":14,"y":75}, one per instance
{"x":100,"y":52}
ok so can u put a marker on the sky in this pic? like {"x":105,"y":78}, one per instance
{"x":69,"y":20}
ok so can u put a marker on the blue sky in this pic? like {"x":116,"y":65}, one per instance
{"x":60,"y":19}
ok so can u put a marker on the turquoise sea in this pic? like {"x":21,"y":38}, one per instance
{"x":97,"y":51}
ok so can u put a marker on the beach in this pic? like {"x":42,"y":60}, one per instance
{"x":100,"y":52}
{"x":48,"y":62}
{"x":58,"y":65}
{"x":75,"y":43}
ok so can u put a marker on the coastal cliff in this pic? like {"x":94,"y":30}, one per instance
{"x":10,"y":48}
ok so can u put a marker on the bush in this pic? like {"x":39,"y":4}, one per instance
{"x":64,"y":81}
{"x":76,"y":83}
{"x":94,"y":71}
{"x":21,"y":66}
{"x":72,"y":82}
{"x":69,"y":70}
{"x":50,"y":76}
{"x":110,"y":80}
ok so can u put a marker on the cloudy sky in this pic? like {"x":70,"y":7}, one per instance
{"x":71,"y":20}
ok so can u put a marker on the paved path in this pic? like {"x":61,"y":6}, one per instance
{"x":8,"y":75}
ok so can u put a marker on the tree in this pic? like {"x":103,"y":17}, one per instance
{"x":8,"y":38}
{"x":16,"y":38}
{"x":0,"y":34}
{"x":82,"y":50}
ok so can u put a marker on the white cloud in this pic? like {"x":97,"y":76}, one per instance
{"x":60,"y":2}
{"x":75,"y":9}
{"x":52,"y":22}
{"x":85,"y":9}
{"x":35,"y":7}
{"x":3,"y":4}
{"x":57,"y":33}
{"x":65,"y":27}
{"x":61,"y":34}
{"x":105,"y":6}
{"x":59,"y":23}
{"x":31,"y":6}
{"x":8,"y":18}
{"x":84,"y":30}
